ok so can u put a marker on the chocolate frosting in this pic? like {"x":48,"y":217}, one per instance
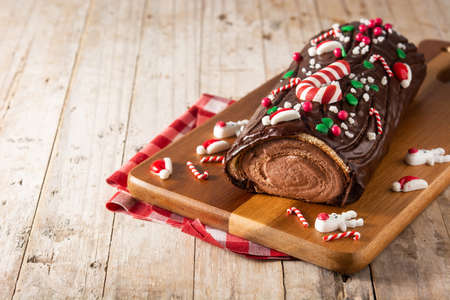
{"x":359,"y":154}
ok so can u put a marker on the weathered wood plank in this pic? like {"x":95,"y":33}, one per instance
{"x":150,"y":260}
{"x":68,"y":247}
{"x":38,"y":49}
{"x":232,"y":65}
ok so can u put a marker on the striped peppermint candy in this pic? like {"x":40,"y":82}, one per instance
{"x":322,"y":86}
{"x":299,"y":215}
{"x":195,"y":172}
{"x":213,"y":159}
{"x":353,"y":234}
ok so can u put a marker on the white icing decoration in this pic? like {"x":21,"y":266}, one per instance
{"x":384,"y":80}
{"x":371,"y":136}
{"x":411,"y":185}
{"x":344,"y":126}
{"x":366,"y":97}
{"x":363,"y":80}
{"x":429,"y":157}
{"x":230,"y":129}
{"x":352,"y":90}
{"x":338,"y":221}
{"x":334,"y":109}
{"x":367,"y":88}
{"x":370,"y":79}
{"x":265,"y":120}
{"x":351,"y":121}
{"x":312,"y":51}
{"x":349,"y":134}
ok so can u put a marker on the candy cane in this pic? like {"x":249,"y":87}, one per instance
{"x":299,"y":215}
{"x":386,"y":67}
{"x":311,"y":89}
{"x":195,"y":172}
{"x":353,"y":234}
{"x":292,"y":82}
{"x":332,"y":32}
{"x":373,"y":111}
{"x":213,"y":159}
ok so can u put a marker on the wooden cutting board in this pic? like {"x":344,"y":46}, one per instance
{"x":262,"y":218}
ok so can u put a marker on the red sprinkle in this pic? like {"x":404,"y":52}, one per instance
{"x":266,"y":102}
{"x":366,"y":40}
{"x":336,"y":130}
{"x":387,"y":26}
{"x":378,"y":21}
{"x":307,"y":106}
{"x":362,"y":28}
{"x":359,"y":37}
{"x":343,"y":115}
{"x":337,"y":52}
{"x":412,"y":150}
{"x":221,"y":124}
{"x":371,"y":23}
{"x":377,"y":31}
{"x":297,"y":56}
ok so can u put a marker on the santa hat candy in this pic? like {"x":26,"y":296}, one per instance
{"x":281,"y":115}
{"x":212,"y":146}
{"x":403,"y":73}
{"x":327,"y":46}
{"x":226,"y":129}
{"x":408,"y":184}
{"x":162,"y":168}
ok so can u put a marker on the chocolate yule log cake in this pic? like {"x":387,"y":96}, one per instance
{"x":320,"y":134}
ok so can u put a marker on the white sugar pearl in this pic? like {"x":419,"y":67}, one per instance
{"x":318,"y":66}
{"x":303,"y":70}
{"x":356,"y":50}
{"x":366,"y":97}
{"x":361,"y":44}
{"x":312,"y":61}
{"x":363,"y":80}
{"x":334,"y":109}
{"x":312,"y":51}
{"x":371,"y":136}
{"x":381,"y":38}
{"x":352,"y":90}
{"x":367,"y":88}
{"x":384,"y":80}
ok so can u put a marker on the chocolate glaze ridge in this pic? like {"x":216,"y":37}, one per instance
{"x":359,"y":154}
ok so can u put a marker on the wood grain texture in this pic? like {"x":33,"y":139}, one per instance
{"x":161,"y":256}
{"x":67,"y":252}
{"x":39,"y":48}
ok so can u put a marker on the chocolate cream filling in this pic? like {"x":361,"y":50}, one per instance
{"x":290,"y":167}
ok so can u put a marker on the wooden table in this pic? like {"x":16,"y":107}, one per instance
{"x":84,"y":84}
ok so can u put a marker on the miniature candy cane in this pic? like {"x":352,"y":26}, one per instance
{"x":195,"y":172}
{"x":292,"y":82}
{"x":299,"y":215}
{"x":332,"y":32}
{"x":373,"y":111}
{"x":353,"y":234}
{"x":311,"y":89}
{"x":386,"y":67}
{"x":213,"y":159}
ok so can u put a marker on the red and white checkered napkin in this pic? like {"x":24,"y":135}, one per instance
{"x":206,"y":107}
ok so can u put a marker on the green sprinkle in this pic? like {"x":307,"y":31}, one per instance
{"x":272,"y":110}
{"x":343,"y":53}
{"x":322,"y":128}
{"x":374,"y":87}
{"x":288,"y":74}
{"x":327,"y":122}
{"x":356,"y":84}
{"x":401,"y":53}
{"x":347,"y":28}
{"x":351,"y":99}
{"x":368,"y":64}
